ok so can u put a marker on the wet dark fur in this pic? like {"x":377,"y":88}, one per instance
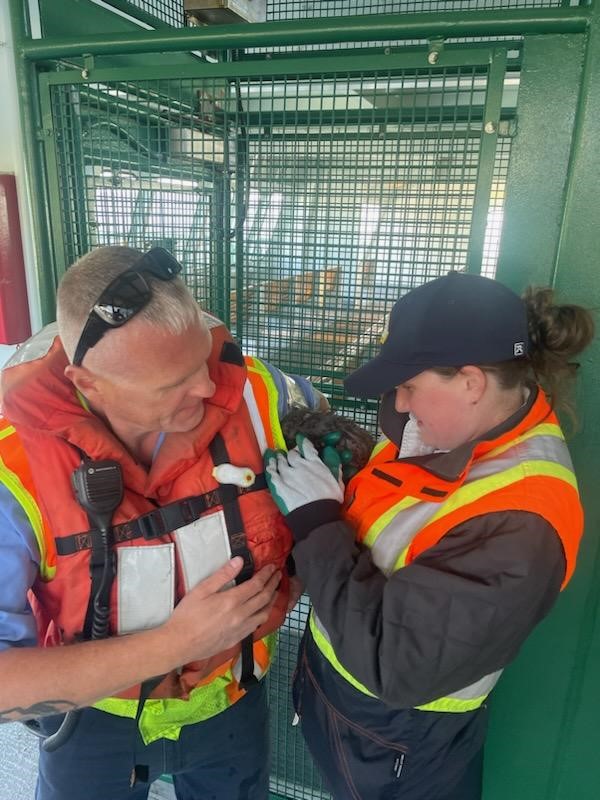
{"x":316,"y":424}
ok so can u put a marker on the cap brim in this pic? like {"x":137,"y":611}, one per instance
{"x":380,"y":375}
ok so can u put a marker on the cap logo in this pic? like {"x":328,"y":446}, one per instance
{"x":386,"y":329}
{"x":519,"y":349}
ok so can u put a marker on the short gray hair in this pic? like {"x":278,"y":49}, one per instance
{"x":172,"y":306}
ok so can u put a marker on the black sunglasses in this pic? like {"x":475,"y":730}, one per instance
{"x":124,"y":297}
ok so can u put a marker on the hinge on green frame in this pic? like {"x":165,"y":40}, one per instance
{"x":436,"y":46}
{"x":44,"y":133}
{"x":507,"y":128}
{"x":88,"y":66}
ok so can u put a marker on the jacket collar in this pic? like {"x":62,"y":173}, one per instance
{"x":450,"y":465}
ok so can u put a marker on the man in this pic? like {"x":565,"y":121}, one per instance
{"x":131,"y":497}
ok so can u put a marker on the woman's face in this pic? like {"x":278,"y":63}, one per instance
{"x":444,"y":408}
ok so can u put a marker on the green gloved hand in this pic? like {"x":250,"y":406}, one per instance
{"x":332,"y":455}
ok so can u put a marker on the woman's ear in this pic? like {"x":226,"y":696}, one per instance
{"x":475,"y":381}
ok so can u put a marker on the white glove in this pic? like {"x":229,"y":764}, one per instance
{"x":299,"y":477}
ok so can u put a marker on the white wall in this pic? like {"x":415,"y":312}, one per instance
{"x":11,"y":156}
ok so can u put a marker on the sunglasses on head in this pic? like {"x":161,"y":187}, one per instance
{"x":124,"y":297}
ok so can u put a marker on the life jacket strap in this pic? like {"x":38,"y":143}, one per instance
{"x":159,"y":521}
{"x":239,"y":547}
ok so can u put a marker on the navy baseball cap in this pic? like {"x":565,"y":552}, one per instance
{"x":452,"y":321}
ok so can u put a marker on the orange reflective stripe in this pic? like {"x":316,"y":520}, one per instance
{"x":14,"y":460}
{"x":265,"y":394}
{"x":381,"y":486}
{"x":539,"y":412}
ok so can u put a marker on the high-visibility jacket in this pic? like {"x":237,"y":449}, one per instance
{"x":47,"y":423}
{"x":399,"y":509}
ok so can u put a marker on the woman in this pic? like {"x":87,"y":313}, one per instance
{"x":446,"y":549}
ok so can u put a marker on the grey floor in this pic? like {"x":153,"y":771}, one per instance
{"x":18,"y":766}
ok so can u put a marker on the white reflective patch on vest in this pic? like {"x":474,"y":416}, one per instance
{"x":255,"y":417}
{"x":203,"y":547}
{"x":146,"y":593}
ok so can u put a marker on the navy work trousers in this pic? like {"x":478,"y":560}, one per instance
{"x":366,"y":750}
{"x":224,"y":758}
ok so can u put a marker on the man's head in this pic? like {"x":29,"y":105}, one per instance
{"x":149,"y":372}
{"x":168,"y":304}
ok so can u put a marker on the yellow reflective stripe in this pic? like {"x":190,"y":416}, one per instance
{"x":325,"y":647}
{"x":450,"y":704}
{"x":478,"y":488}
{"x":378,"y":448}
{"x":164,"y":718}
{"x":547,"y":429}
{"x":82,"y":400}
{"x":7,"y":432}
{"x":386,"y":518}
{"x":273,"y":395}
{"x":401,"y":560}
{"x":453,"y":705}
{"x":30,"y":507}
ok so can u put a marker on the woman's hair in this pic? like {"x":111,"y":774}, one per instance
{"x":557,"y":333}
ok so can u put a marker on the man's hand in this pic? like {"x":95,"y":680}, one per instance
{"x":207,"y":621}
{"x":212,"y":617}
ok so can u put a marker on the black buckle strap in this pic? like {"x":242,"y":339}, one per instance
{"x":239,"y":547}
{"x":159,"y":521}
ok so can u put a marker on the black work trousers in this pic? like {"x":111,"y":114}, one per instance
{"x":366,"y":750}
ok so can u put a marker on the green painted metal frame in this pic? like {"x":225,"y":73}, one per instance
{"x":321,"y":31}
{"x":35,"y":178}
{"x":487,"y":153}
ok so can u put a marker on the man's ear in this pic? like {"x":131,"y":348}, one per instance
{"x":475,"y":381}
{"x":83,"y":380}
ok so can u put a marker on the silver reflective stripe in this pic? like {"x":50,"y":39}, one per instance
{"x":34,"y":348}
{"x":146,"y":586}
{"x":480,"y":688}
{"x":537,"y":448}
{"x":203,"y":547}
{"x":399,"y":533}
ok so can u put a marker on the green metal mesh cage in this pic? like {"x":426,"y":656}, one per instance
{"x":303,"y":200}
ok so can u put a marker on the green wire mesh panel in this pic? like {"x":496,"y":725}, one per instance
{"x":302,"y":205}
{"x":293,"y":774}
{"x":137,"y":164}
{"x":362,"y":188}
{"x":298,"y":9}
{"x":169,"y":11}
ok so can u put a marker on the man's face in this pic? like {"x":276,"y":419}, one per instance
{"x":151,"y":380}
